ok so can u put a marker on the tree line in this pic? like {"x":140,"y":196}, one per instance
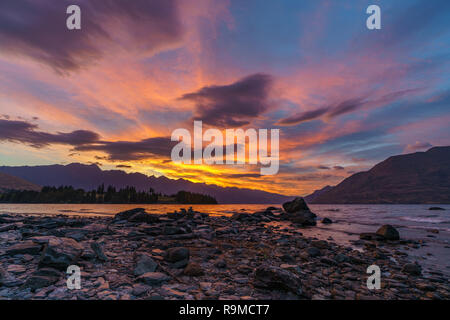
{"x":68,"y":194}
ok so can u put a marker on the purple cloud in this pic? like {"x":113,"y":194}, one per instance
{"x":232,"y":105}
{"x":37,"y":28}
{"x":27,"y":133}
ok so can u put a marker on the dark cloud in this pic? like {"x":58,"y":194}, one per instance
{"x":244,"y":175}
{"x":123,"y":166}
{"x":83,"y":140}
{"x":132,"y":150}
{"x":313,"y":177}
{"x":329,"y":111}
{"x":28,"y":133}
{"x":304,"y":116}
{"x":338,"y":168}
{"x":323,"y":167}
{"x":345,"y":107}
{"x":232,"y":105}
{"x":37,"y":29}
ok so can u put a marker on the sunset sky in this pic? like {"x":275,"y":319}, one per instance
{"x":344,"y":97}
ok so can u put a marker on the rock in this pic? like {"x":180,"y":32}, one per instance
{"x":143,"y":217}
{"x":298,"y":204}
{"x":27,"y":247}
{"x":388,"y":232}
{"x":220,"y":264}
{"x":153,"y":278}
{"x":43,"y":278}
{"x":321,"y":244}
{"x":327,"y":221}
{"x":145,"y":264}
{"x":98,"y":251}
{"x":371,"y":236}
{"x":180,"y":264}
{"x":436,"y":208}
{"x":305,"y":218}
{"x":412,"y":268}
{"x":16,"y":268}
{"x":140,"y":289}
{"x":3,"y":275}
{"x":241,"y":216}
{"x":59,"y":253}
{"x":125,"y":215}
{"x":339,"y":258}
{"x":7,"y":227}
{"x":271,"y":277}
{"x":244,"y":269}
{"x":291,"y":267}
{"x":177,"y":254}
{"x":287,"y":258}
{"x":313,"y":252}
{"x":193,"y":269}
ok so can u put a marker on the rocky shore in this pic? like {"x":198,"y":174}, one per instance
{"x":191,"y":255}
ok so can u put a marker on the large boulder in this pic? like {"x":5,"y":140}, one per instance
{"x":125,"y":215}
{"x":305,"y":218}
{"x":60,"y":253}
{"x":412,"y":269}
{"x":143,"y":217}
{"x":298,"y":204}
{"x":436,"y":208}
{"x":388,"y":232}
{"x":177,"y":254}
{"x":298,"y":212}
{"x":327,"y":221}
{"x":43,"y":278}
{"x":272,"y":278}
{"x":144,"y":264}
{"x":194,"y":270}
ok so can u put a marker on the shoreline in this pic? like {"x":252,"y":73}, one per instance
{"x":194,"y":255}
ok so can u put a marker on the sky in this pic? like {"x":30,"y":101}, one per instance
{"x":343,"y":97}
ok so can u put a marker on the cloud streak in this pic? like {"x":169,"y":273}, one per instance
{"x":37,"y":29}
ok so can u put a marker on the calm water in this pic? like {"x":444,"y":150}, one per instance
{"x":412,"y":221}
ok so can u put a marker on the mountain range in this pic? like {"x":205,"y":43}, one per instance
{"x":89,"y":177}
{"x":421,"y":177}
{"x":8,"y":182}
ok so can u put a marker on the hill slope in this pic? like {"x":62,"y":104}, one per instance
{"x":9,"y":182}
{"x":421,"y":177}
{"x":89,"y":177}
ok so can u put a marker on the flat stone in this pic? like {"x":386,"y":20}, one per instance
{"x":271,"y":277}
{"x":153,"y":278}
{"x":15,"y":268}
{"x":26,"y":247}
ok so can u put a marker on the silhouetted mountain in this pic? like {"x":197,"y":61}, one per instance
{"x":89,"y":177}
{"x":313,"y":196}
{"x":9,"y":182}
{"x":421,"y":177}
